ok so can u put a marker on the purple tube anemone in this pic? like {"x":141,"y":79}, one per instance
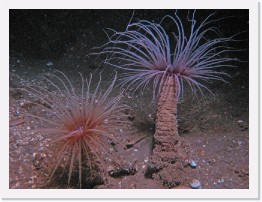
{"x":149,"y":53}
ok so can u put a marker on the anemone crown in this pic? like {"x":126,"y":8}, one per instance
{"x":150,"y":54}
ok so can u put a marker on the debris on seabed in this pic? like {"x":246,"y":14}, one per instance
{"x":193,"y":164}
{"x":195,"y":184}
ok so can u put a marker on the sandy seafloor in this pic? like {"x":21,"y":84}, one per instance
{"x":216,"y":127}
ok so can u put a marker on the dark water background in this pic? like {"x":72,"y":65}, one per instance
{"x":47,"y":34}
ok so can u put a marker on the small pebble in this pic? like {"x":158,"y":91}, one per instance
{"x":22,"y":103}
{"x":35,"y":155}
{"x":17,"y":111}
{"x":195,"y":184}
{"x":221,"y":180}
{"x":193,"y":164}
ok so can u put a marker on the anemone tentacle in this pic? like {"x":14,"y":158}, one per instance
{"x":149,"y":54}
{"x":79,"y":125}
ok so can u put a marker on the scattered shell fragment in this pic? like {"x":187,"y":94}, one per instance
{"x":193,"y":164}
{"x":195,"y":184}
{"x":221,"y":180}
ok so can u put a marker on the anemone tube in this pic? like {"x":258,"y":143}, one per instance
{"x":169,"y":61}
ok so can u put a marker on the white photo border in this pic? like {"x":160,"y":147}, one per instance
{"x":251,"y":193}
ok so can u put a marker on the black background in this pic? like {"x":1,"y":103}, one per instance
{"x":46,"y":34}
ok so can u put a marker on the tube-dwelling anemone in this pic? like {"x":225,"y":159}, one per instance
{"x":80,"y":125}
{"x":149,"y":53}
